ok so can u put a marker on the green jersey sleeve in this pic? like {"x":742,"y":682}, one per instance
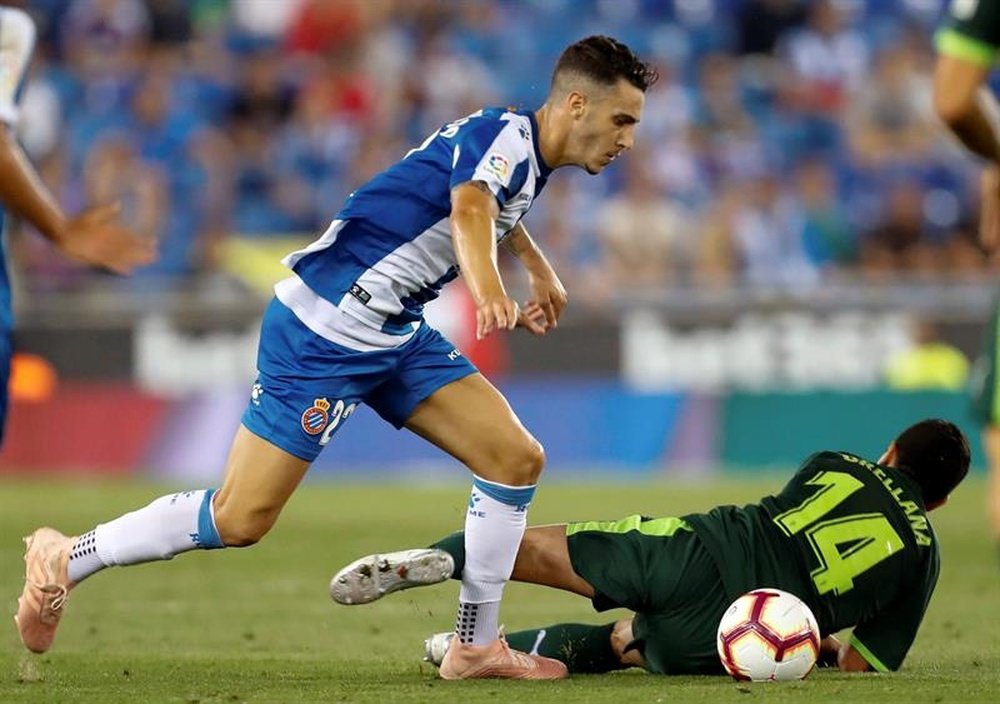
{"x":971,"y":31}
{"x":885,"y":638}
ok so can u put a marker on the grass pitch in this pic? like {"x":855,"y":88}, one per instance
{"x":257,"y":625}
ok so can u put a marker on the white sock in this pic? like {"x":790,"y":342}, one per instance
{"x":170,"y":525}
{"x":494,"y":525}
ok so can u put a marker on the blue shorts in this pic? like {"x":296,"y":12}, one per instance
{"x":308,"y":386}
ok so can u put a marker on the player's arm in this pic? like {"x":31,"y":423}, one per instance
{"x":23,"y":192}
{"x":850,"y":660}
{"x":880,"y":642}
{"x":835,"y":653}
{"x":474,"y":211}
{"x":92,"y":237}
{"x":548,"y":295}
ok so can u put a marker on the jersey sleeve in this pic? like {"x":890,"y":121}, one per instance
{"x":498,"y":158}
{"x":971,"y":31}
{"x":885,"y":638}
{"x":17,"y":39}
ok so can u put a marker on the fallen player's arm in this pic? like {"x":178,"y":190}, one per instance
{"x":829,"y":652}
{"x":850,"y":660}
{"x":835,"y":653}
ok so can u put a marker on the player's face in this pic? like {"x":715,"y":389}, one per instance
{"x":606,"y":125}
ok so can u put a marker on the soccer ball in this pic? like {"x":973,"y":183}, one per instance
{"x":768,"y":635}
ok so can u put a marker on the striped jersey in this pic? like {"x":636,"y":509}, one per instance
{"x":17,"y":39}
{"x":389,"y":249}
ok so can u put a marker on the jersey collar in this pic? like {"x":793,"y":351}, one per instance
{"x":542,"y":166}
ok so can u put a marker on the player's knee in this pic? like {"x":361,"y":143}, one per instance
{"x":242,"y":534}
{"x":524,"y":463}
{"x":239,"y":528}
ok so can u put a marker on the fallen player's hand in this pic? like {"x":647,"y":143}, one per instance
{"x":829,"y":651}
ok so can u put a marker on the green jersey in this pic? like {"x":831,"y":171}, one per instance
{"x":849,"y":537}
{"x":971,"y":31}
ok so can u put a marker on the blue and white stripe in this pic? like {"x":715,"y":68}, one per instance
{"x":391,"y":243}
{"x":17,"y":40}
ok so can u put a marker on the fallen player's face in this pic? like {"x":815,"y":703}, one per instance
{"x":607,"y":127}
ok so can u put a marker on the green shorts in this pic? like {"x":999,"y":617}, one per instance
{"x":984,"y":386}
{"x":971,"y":31}
{"x":659,"y":569}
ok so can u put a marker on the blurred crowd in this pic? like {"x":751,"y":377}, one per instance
{"x":787,"y":142}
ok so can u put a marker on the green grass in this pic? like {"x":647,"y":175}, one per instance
{"x":256,"y":625}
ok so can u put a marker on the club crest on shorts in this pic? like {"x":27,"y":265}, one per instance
{"x":315,"y":418}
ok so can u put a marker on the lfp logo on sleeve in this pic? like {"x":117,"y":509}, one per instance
{"x":498,"y":165}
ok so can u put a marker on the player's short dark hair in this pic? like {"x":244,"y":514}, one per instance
{"x":935,"y":454}
{"x":605,"y":60}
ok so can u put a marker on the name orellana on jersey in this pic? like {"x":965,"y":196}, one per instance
{"x":391,"y":242}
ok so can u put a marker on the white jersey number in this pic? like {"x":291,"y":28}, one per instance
{"x":339,"y":413}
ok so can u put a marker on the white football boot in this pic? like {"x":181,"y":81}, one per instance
{"x":436,"y":646}
{"x":373,"y":576}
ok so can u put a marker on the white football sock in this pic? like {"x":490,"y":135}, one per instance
{"x":170,"y":525}
{"x":494,"y":526}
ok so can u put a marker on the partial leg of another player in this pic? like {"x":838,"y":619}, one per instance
{"x":542,"y":558}
{"x":472,"y":421}
{"x":582,"y":647}
{"x":991,"y":445}
{"x":259,"y":479}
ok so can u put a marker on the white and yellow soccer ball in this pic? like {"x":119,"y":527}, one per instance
{"x":768,"y":635}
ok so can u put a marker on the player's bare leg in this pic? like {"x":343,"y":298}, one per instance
{"x":991,"y":446}
{"x":543,"y":558}
{"x":259,"y":479}
{"x":471,"y":420}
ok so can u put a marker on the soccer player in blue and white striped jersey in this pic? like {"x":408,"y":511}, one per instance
{"x":93,"y":237}
{"x":347,"y":328}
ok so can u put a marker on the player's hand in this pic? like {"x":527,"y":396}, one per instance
{"x":548,"y":293}
{"x":95,"y":237}
{"x":496,"y":312}
{"x":829,"y":652}
{"x":532,"y":318}
{"x":989,"y":208}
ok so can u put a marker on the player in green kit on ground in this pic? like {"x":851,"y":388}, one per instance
{"x":968,"y":48}
{"x":848,"y":536}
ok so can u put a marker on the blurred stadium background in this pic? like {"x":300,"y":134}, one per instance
{"x":786,"y":261}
